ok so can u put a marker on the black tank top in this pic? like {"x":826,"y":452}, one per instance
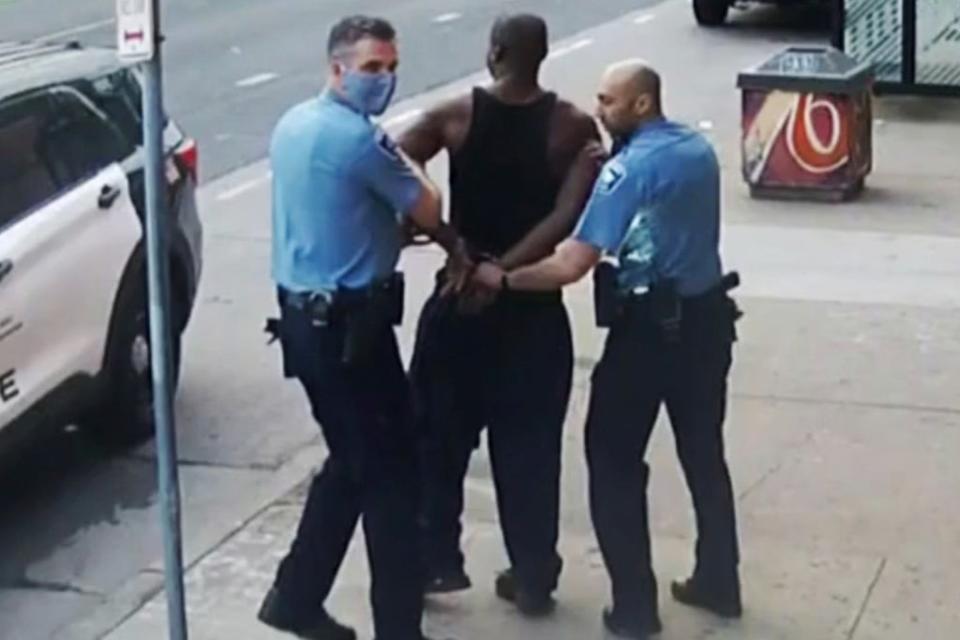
{"x":501,"y":185}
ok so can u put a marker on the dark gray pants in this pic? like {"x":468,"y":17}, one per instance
{"x":365,"y":414}
{"x":639,"y":372}
{"x":507,"y":369}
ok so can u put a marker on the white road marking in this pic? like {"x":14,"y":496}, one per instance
{"x":74,"y":31}
{"x":401,"y":118}
{"x":447,"y":17}
{"x":260,"y":78}
{"x":570,"y":48}
{"x":645,"y":18}
{"x":243,"y":187}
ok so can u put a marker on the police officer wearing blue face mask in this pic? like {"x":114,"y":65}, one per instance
{"x":656,"y":208}
{"x":341,"y":194}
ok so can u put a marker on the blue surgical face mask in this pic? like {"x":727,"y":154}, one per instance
{"x":369,"y":93}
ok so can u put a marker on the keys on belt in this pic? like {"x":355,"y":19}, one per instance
{"x":364,"y":313}
{"x":318,"y":305}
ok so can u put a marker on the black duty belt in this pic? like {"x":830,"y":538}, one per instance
{"x":364,"y":314}
{"x":704,"y":300}
{"x":344,"y":299}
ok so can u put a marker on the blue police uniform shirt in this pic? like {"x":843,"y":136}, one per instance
{"x":340,"y":190}
{"x":656,"y":208}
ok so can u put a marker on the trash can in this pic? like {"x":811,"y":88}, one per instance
{"x":807,"y":125}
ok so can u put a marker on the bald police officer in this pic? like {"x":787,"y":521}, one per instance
{"x":656,"y":207}
{"x":341,"y":193}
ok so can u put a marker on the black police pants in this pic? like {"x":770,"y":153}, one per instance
{"x":508,"y":369}
{"x":365,"y":414}
{"x":640,"y":371}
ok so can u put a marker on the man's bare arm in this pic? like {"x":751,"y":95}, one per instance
{"x":425,"y":138}
{"x":574,"y":193}
{"x":419,"y":144}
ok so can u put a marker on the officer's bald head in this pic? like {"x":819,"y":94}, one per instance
{"x":629,"y":95}
{"x":518,"y":46}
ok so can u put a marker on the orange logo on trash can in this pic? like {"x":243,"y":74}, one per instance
{"x":796,"y":139}
{"x":818,"y":149}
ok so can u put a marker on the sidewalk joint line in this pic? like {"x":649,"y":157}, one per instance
{"x":26,"y":584}
{"x":775,"y":469}
{"x":149,"y":595}
{"x":237,"y":237}
{"x":203,"y":464}
{"x":849,"y":403}
{"x":866,"y":599}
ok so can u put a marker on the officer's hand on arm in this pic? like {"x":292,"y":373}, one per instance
{"x":571,"y":262}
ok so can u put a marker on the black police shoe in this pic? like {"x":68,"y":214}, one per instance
{"x":633,"y":627}
{"x":693,"y":594}
{"x":530,"y":603}
{"x":320,"y":627}
{"x":448,"y":581}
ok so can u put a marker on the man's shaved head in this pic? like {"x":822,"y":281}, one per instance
{"x":629,"y":95}
{"x":633,"y":78}
{"x":518,"y":45}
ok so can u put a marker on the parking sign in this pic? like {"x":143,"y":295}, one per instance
{"x":135,"y":41}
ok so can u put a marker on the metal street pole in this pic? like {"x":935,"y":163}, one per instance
{"x":158,"y":270}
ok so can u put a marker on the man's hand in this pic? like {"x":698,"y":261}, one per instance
{"x":459,"y":269}
{"x":488,"y":275}
{"x":483,"y":288}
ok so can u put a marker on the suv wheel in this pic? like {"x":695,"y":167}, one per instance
{"x":711,"y":13}
{"x":125,"y":415}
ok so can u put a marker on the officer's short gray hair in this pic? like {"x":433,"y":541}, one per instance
{"x":350,"y":30}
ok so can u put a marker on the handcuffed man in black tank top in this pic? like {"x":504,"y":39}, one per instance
{"x":522,"y":164}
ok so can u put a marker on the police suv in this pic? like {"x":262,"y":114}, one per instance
{"x":74,"y":342}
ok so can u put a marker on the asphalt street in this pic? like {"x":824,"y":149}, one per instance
{"x":233,"y":67}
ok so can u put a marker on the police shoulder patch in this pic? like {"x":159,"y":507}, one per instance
{"x":612,"y":175}
{"x":386,"y":145}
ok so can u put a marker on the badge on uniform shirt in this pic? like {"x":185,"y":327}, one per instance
{"x":386,"y":144}
{"x":611,"y":176}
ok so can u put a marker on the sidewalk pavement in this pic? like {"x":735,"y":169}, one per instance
{"x":844,"y":424}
